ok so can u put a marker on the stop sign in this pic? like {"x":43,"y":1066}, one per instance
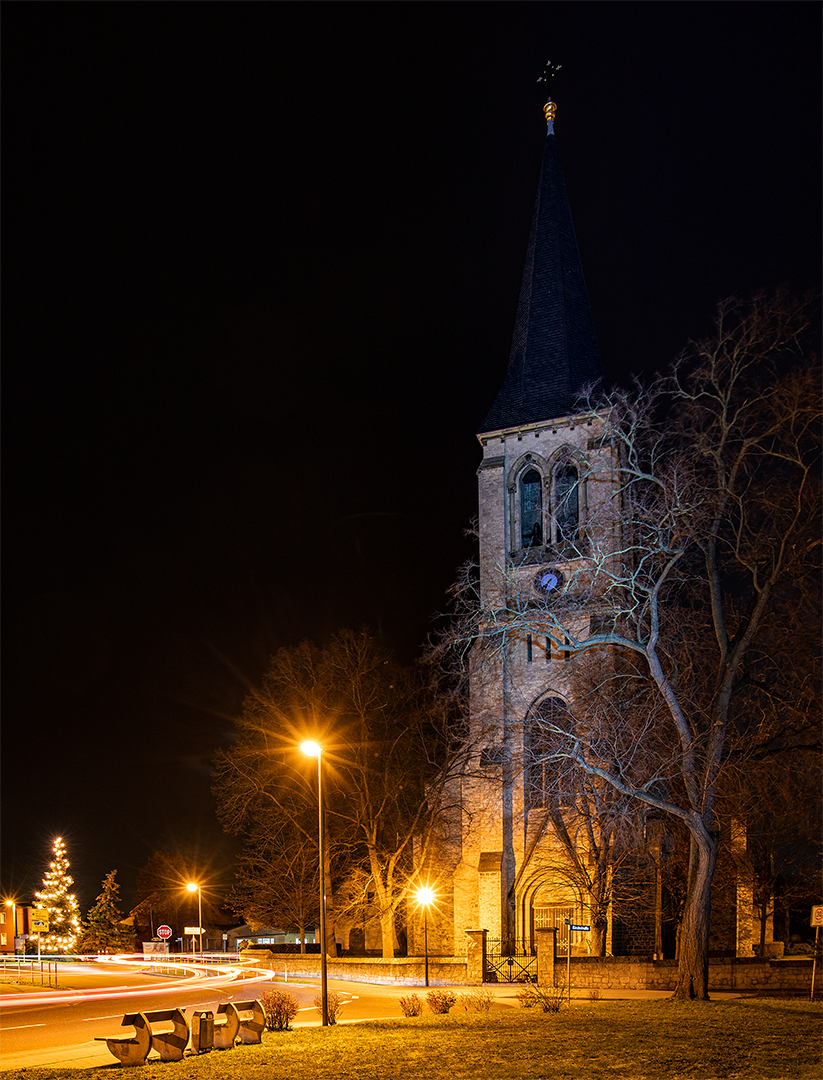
{"x":164,"y":932}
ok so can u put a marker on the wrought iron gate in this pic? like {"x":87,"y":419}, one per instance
{"x":510,"y":962}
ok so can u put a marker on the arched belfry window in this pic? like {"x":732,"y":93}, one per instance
{"x":567,"y":505}
{"x":531,"y":508}
{"x":565,"y":520}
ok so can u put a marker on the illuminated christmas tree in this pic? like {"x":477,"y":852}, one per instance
{"x":64,"y":914}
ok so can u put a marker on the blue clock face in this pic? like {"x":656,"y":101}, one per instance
{"x":548,"y":581}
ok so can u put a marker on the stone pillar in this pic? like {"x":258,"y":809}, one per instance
{"x":475,"y":956}
{"x":546,"y":955}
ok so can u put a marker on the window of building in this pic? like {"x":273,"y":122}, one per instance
{"x":540,"y":737}
{"x":531,"y":508}
{"x":567,"y":505}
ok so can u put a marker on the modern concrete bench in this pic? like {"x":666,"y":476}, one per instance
{"x":226,"y":1026}
{"x":169,"y":1044}
{"x":252,"y":1021}
{"x":235,"y":1020}
{"x":135,"y":1050}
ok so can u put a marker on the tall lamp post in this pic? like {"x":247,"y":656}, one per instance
{"x":12,"y":904}
{"x":313,"y":749}
{"x":424,"y":898}
{"x":196,"y":888}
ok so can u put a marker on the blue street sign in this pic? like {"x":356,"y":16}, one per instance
{"x":575,"y":927}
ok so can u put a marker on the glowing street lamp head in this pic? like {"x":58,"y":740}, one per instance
{"x":192,"y":887}
{"x":424,"y":896}
{"x":311,"y":749}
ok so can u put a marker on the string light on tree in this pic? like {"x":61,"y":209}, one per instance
{"x":64,"y":914}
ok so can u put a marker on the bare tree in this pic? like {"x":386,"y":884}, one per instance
{"x":388,"y":756}
{"x":277,"y":881}
{"x":711,"y":517}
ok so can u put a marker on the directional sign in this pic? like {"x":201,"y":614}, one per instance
{"x":817,"y":915}
{"x":192,"y":929}
{"x":574,"y":926}
{"x":164,"y":932}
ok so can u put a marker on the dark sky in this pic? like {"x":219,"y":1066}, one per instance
{"x":261,"y":264}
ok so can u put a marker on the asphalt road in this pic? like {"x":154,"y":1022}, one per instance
{"x":59,"y":1029}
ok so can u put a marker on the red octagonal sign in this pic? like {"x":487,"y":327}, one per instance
{"x":164,"y":932}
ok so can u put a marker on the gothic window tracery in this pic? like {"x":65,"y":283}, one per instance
{"x":531,"y":508}
{"x":567,"y":505}
{"x":548,"y":506}
{"x":543,"y":730}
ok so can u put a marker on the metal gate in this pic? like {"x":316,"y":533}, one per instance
{"x":510,"y":962}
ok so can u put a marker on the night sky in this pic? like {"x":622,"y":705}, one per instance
{"x":261,"y":266}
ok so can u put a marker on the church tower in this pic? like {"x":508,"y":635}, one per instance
{"x":539,"y":492}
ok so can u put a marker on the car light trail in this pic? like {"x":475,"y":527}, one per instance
{"x":195,"y":978}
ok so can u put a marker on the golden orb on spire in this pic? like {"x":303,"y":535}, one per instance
{"x":550,"y":111}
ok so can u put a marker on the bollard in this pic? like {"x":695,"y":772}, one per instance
{"x":202,"y":1032}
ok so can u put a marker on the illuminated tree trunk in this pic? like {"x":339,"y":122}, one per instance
{"x":693,"y":958}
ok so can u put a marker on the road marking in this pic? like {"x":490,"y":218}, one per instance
{"x":20,"y":1027}
{"x":110,"y":1016}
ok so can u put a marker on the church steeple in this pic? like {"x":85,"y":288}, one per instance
{"x":554,"y":349}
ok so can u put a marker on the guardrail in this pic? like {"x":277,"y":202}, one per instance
{"x":34,"y":972}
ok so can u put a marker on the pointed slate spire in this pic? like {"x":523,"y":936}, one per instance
{"x":554,"y":348}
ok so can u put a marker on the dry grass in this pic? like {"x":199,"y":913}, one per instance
{"x":745,"y":1039}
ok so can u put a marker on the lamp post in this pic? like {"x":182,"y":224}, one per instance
{"x":424,"y":898}
{"x":313,"y":749}
{"x":13,"y":906}
{"x":196,"y":888}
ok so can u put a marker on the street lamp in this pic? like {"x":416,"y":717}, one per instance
{"x":12,"y":904}
{"x":313,"y":749}
{"x":196,"y":888}
{"x":424,"y":898}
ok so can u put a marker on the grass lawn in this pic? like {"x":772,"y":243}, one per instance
{"x":750,"y":1039}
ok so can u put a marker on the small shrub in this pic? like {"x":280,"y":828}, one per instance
{"x":334,"y":1003}
{"x":411,"y":1005}
{"x":547,"y":998}
{"x":479,"y":1000}
{"x":440,"y":1001}
{"x":594,"y":994}
{"x":280,"y":1009}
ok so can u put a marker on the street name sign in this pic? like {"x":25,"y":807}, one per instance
{"x":575,"y":926}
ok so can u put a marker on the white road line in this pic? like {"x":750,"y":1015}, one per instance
{"x":110,"y":1016}
{"x":21,"y":1027}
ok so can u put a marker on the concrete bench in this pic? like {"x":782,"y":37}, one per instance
{"x":226,"y":1026}
{"x":234,"y":1020}
{"x":169,"y":1044}
{"x":252,"y":1021}
{"x":134,"y":1050}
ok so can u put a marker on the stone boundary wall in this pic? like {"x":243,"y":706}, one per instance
{"x":402,"y":971}
{"x":725,"y":973}
{"x":587,"y":972}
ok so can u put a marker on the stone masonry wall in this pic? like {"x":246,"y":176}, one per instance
{"x":587,"y":972}
{"x":725,"y":973}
